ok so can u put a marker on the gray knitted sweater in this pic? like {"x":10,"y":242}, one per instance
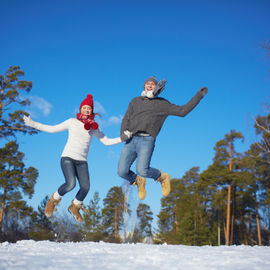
{"x":148,"y":115}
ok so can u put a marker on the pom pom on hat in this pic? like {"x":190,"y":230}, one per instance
{"x":88,"y":101}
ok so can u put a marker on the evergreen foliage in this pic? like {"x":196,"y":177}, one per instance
{"x":144,"y":228}
{"x":42,"y":227}
{"x":196,"y":211}
{"x":112,"y":213}
{"x":12,"y":102}
{"x":92,"y":222}
{"x":16,"y":180}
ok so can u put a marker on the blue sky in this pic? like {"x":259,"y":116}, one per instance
{"x":108,"y":48}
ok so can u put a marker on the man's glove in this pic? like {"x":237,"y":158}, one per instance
{"x":203,"y":91}
{"x":125,"y":136}
{"x":159,"y":87}
{"x":28,"y":121}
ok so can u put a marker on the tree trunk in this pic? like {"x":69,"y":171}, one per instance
{"x":224,"y":229}
{"x":195,"y":231}
{"x":3,"y":207}
{"x":115,"y":223}
{"x":243,"y":228}
{"x":227,"y":238}
{"x":250,"y":233}
{"x":258,"y":224}
{"x":229,"y":200}
{"x":232,"y":228}
{"x":176,"y":229}
{"x":233,"y":211}
{"x":199,"y":208}
{"x":218,"y":234}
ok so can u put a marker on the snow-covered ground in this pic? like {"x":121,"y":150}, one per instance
{"x":37,"y":255}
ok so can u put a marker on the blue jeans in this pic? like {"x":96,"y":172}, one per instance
{"x":140,"y":148}
{"x":71,"y":169}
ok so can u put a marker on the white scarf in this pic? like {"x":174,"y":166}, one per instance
{"x":148,"y":94}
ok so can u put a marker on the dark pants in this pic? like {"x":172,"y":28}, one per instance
{"x":73,"y":169}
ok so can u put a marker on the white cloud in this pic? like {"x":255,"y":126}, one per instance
{"x":98,"y":108}
{"x":41,"y":104}
{"x":114,"y":120}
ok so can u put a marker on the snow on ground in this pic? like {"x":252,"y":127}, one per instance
{"x":37,"y":255}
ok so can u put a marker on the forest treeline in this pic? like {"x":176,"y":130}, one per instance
{"x":228,"y":203}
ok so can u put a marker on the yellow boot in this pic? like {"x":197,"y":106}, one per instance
{"x":74,"y":209}
{"x":140,"y":182}
{"x":50,"y":206}
{"x":164,"y":180}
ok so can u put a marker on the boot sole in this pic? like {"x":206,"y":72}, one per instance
{"x":74,"y":216}
{"x":47,"y":215}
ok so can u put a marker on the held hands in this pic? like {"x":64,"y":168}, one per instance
{"x":203,"y":91}
{"x":126,"y":135}
{"x":28,"y":121}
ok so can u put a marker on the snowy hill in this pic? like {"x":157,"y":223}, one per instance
{"x":31,"y":255}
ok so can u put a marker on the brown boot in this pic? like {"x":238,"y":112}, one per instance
{"x":50,"y":206}
{"x":74,"y":209}
{"x":164,"y":180}
{"x":140,"y":182}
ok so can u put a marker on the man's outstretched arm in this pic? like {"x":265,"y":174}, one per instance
{"x":185,"y":109}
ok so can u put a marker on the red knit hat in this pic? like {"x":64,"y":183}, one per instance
{"x":88,"y":101}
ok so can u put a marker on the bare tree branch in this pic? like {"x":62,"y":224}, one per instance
{"x":261,"y":127}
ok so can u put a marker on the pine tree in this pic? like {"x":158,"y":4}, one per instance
{"x":112,"y":213}
{"x":15,"y":179}
{"x":224,"y":155}
{"x":193,"y":226}
{"x":11,"y":102}
{"x":42,"y":227}
{"x":18,"y":221}
{"x":92,"y":220}
{"x":182,"y":217}
{"x":257,"y":178}
{"x":168,"y":216}
{"x":145,"y":217}
{"x":196,"y":210}
{"x":214,"y":202}
{"x":260,"y":151}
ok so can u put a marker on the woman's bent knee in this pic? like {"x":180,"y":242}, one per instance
{"x":70,"y":186}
